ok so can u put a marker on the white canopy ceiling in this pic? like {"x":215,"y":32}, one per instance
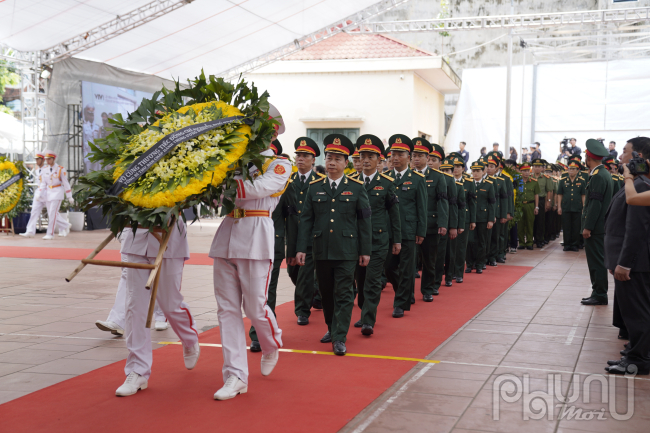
{"x":211,"y":34}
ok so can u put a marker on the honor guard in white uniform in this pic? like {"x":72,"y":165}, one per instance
{"x":40,"y":197}
{"x":243,"y":251}
{"x":143,"y":248}
{"x":54,"y":181}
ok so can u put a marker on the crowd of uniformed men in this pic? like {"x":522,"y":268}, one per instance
{"x":408,"y":207}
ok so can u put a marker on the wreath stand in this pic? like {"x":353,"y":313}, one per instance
{"x":152,"y":282}
{"x":10,"y":226}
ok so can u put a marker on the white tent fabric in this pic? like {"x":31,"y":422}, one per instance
{"x":211,"y":34}
{"x":607,"y":100}
{"x":11,"y":134}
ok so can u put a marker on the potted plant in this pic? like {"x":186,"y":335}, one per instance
{"x":76,"y":218}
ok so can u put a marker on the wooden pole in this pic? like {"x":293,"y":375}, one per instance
{"x":118,"y":264}
{"x":154,"y":277}
{"x":152,"y":300}
{"x":93,"y":254}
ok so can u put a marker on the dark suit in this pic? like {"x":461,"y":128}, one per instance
{"x":626,"y":244}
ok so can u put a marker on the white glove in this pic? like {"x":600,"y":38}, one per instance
{"x":71,"y":200}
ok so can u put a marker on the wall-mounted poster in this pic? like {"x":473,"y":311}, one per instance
{"x":101,"y":102}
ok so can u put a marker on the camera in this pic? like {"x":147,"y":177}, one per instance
{"x":637,"y":166}
{"x":565,"y":144}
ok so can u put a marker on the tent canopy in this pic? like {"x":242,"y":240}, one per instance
{"x":211,"y":34}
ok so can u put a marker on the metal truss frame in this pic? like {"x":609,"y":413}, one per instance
{"x":116,"y":27}
{"x":343,"y":25}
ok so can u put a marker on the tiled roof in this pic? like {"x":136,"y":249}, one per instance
{"x":346,"y":46}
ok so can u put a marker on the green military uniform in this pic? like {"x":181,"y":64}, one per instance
{"x":598,"y":196}
{"x":571,"y":193}
{"x":337,"y":221}
{"x":437,"y":217}
{"x":525,"y":226}
{"x":385,"y":227}
{"x":549,"y":218}
{"x":410,"y":189}
{"x":485,"y":212}
{"x":452,"y":223}
{"x":452,"y":258}
{"x":286,"y":232}
{"x":468,"y":234}
{"x":510,"y":199}
{"x":303,"y":276}
{"x":502,"y":207}
{"x":545,"y":185}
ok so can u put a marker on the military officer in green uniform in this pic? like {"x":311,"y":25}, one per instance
{"x":530,"y":208}
{"x":451,"y":254}
{"x":452,"y":225}
{"x":549,"y":218}
{"x":411,"y":192}
{"x":336,"y":218}
{"x":385,"y":227}
{"x":356,"y":163}
{"x":610,"y":165}
{"x":284,"y":218}
{"x":510,"y":210}
{"x":598,"y":196}
{"x":469,"y":233}
{"x":303,"y":276}
{"x":545,"y":185}
{"x":437,"y":211}
{"x":485,"y":217}
{"x":570,"y":199}
{"x":502,"y":208}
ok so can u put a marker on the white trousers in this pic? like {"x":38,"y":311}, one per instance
{"x":37,"y":208}
{"x":138,"y":337}
{"x":238,"y":281}
{"x":54,"y":217}
{"x":118,"y":312}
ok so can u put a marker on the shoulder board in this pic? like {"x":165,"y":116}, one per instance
{"x":354,"y":179}
{"x":564,"y":174}
{"x":438,"y":171}
{"x":418,"y":173}
{"x":387,"y":177}
{"x":353,"y":175}
{"x":488,"y":181}
{"x":446,"y":174}
{"x":317,"y":180}
{"x":459,"y":183}
{"x":533,"y":179}
{"x":321,"y":175}
{"x":492,"y":177}
{"x":597,"y":170}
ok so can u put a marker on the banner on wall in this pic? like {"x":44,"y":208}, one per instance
{"x":100,"y":103}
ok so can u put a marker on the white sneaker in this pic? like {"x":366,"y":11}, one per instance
{"x":48,"y":237}
{"x":231,"y":388}
{"x":133,"y":383}
{"x":26,"y":235}
{"x":191,"y":355}
{"x":109,"y":326}
{"x":161,"y":326}
{"x":64,"y":233}
{"x":268,"y":362}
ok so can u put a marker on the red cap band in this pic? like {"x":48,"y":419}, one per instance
{"x":305,"y":149}
{"x":337,"y":148}
{"x":592,"y":156}
{"x":369,"y":148}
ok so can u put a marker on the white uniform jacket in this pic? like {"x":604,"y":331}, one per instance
{"x":146,"y":245}
{"x":54,"y":182}
{"x":40,"y":193}
{"x":253,"y":237}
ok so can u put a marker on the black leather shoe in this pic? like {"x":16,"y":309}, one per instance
{"x":594,"y":301}
{"x":459,"y":280}
{"x":316,"y":304}
{"x":588,"y":297}
{"x":562,"y":243}
{"x":493,"y":264}
{"x":427,"y":298}
{"x":500,"y":261}
{"x":384,"y":284}
{"x":623,"y":336}
{"x":255,"y":346}
{"x":303,"y":320}
{"x":626,"y":367}
{"x":529,"y":248}
{"x":468,"y":270}
{"x":448,"y":283}
{"x":327,"y":338}
{"x":574,"y":249}
{"x":484,"y":267}
{"x":367,"y":330}
{"x":479,"y":271}
{"x":436,"y":292}
{"x":617,"y":361}
{"x":358,"y":324}
{"x":581,"y":247}
{"x":338,"y":348}
{"x":412,"y":299}
{"x":398,"y":312}
{"x":540,"y":245}
{"x":417,"y":275}
{"x":521,"y":247}
{"x":566,"y":249}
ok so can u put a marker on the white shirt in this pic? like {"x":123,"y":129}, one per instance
{"x":300,"y":175}
{"x":54,"y":182}
{"x":336,"y":182}
{"x":41,"y":191}
{"x":401,"y":173}
{"x":371,"y":177}
{"x":460,"y":179}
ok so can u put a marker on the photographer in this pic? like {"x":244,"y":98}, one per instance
{"x":572,"y":150}
{"x":627,"y":257}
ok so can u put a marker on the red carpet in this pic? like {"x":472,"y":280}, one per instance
{"x":305,"y":393}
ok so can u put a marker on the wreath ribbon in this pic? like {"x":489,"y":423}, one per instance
{"x":10,"y":181}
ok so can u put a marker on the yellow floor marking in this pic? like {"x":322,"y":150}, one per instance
{"x":316,"y":352}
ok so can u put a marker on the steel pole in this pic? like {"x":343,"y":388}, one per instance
{"x":508,"y":85}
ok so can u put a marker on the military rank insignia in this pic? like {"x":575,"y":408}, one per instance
{"x":346,"y":193}
{"x":408,"y":183}
{"x":378,"y":188}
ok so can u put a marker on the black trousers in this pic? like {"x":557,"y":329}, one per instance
{"x":429,"y":251}
{"x":595,"y":252}
{"x":476,"y":251}
{"x":336,"y":278}
{"x":617,"y":316}
{"x":514,"y":242}
{"x":368,"y":280}
{"x":549,"y":225}
{"x":540,"y":222}
{"x":634,"y":301}
{"x":571,"y":227}
{"x":399,"y":271}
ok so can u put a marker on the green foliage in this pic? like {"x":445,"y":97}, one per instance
{"x":91,"y":189}
{"x":518,"y":185}
{"x":7,"y":78}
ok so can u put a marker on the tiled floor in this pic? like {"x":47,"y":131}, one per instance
{"x":536,"y":328}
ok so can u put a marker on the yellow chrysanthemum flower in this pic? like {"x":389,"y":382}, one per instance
{"x":9,"y":197}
